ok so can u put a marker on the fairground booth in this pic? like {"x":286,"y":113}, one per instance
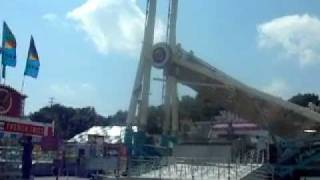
{"x":23,"y":143}
{"x":15,"y":129}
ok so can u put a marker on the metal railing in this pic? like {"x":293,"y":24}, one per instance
{"x":10,"y":162}
{"x":193,"y":168}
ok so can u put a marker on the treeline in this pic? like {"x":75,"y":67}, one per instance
{"x":70,"y":121}
{"x":304,"y":99}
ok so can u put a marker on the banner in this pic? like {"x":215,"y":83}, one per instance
{"x":33,"y":63}
{"x":8,"y":47}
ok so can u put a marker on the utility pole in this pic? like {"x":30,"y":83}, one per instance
{"x":51,"y":101}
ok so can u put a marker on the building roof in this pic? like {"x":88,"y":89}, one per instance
{"x":112,"y":134}
{"x":13,"y":90}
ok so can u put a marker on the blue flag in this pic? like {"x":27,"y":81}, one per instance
{"x":8,"y":47}
{"x":33,"y":63}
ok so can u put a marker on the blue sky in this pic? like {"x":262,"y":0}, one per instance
{"x":89,"y":49}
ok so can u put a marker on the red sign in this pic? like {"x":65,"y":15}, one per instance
{"x":24,"y":128}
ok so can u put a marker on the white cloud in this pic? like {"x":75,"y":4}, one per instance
{"x":50,"y":17}
{"x":297,"y":37}
{"x":113,"y":25}
{"x":278,"y":88}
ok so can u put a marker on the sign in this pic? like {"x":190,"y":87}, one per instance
{"x":11,"y":102}
{"x":25,"y":127}
{"x":5,"y":101}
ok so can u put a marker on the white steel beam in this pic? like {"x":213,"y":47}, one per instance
{"x":142,"y":81}
{"x":170,"y":125}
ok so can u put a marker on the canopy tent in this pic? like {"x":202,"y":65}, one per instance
{"x":111,"y":134}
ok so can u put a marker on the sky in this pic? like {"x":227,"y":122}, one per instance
{"x":89,"y":49}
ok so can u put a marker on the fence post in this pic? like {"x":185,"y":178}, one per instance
{"x":218,"y":172}
{"x":237,"y":170}
{"x":229,"y":170}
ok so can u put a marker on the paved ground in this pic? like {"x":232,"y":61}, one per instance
{"x":60,"y":178}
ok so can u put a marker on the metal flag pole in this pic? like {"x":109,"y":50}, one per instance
{"x":2,"y":70}
{"x":3,"y":75}
{"x":1,"y":67}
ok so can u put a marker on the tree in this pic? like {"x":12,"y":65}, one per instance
{"x":155,"y":115}
{"x":190,"y":107}
{"x":69,"y":121}
{"x":304,"y":99}
{"x":198,"y":109}
{"x":119,"y":118}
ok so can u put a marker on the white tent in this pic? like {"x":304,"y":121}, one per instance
{"x":112,"y":134}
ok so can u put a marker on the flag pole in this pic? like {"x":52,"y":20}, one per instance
{"x":1,"y":67}
{"x":22,"y":86}
{"x":3,"y":73}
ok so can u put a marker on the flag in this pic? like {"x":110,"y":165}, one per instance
{"x":8,"y":47}
{"x":33,"y":63}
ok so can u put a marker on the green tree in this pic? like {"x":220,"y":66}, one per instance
{"x":119,"y":118}
{"x":304,"y":99}
{"x":155,"y":115}
{"x":68,"y":121}
{"x":190,"y":107}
